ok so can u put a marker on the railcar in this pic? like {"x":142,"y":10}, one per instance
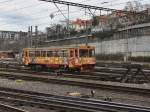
{"x":7,"y":55}
{"x":80,"y":58}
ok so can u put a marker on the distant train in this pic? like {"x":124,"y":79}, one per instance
{"x":7,"y":55}
{"x":73,"y":59}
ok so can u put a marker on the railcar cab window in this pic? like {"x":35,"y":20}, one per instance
{"x":84,"y":53}
{"x":87,"y":53}
{"x":91,"y":53}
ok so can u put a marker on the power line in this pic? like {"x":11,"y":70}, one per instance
{"x":61,"y":7}
{"x":80,"y":5}
{"x":46,"y":16}
{"x":31,"y":6}
{"x":39,"y":4}
{"x":35,"y":19}
{"x":6,"y":1}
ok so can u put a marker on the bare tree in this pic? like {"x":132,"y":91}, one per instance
{"x":133,"y":6}
{"x":146,"y":6}
{"x":129,"y":6}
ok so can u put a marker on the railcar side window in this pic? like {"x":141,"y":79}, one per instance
{"x":49,"y":53}
{"x":37,"y":53}
{"x":65,"y":53}
{"x":60,"y":53}
{"x":55,"y":53}
{"x":43,"y":53}
{"x":31,"y":53}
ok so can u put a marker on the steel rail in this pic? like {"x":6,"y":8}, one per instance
{"x":8,"y":108}
{"x":56,"y":103}
{"x":77,"y":102}
{"x":69,"y":81}
{"x":50,"y":105}
{"x":101,"y":75}
{"x":93,"y":75}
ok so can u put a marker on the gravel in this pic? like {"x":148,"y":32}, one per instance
{"x":58,"y":89}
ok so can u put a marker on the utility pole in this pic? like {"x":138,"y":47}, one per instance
{"x":36,"y":36}
{"x":28,"y":37}
{"x":126,"y":54}
{"x":31,"y":37}
{"x":68,"y":22}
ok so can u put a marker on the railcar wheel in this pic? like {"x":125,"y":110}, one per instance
{"x":78,"y":71}
{"x":37,"y":67}
{"x":32,"y":67}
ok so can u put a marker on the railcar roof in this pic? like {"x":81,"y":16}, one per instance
{"x":58,"y":48}
{"x":6,"y":51}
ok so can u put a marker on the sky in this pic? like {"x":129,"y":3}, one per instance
{"x":17,"y":15}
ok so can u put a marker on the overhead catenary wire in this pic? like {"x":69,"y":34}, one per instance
{"x":6,"y":1}
{"x":36,"y":5}
{"x":31,"y":6}
{"x":35,"y":19}
{"x":42,"y":17}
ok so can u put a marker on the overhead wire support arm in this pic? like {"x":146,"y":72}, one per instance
{"x":91,"y":12}
{"x":60,"y":11}
{"x":80,"y":5}
{"x":86,"y":6}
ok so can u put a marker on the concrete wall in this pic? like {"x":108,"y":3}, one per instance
{"x":138,"y":46}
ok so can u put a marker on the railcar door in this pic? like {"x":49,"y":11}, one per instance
{"x":71,"y":57}
{"x":25,"y":57}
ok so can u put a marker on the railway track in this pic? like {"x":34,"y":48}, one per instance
{"x":76,"y":82}
{"x":104,"y":73}
{"x":68,"y":104}
{"x":92,"y":76}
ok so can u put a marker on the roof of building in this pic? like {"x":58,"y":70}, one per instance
{"x":81,"y":22}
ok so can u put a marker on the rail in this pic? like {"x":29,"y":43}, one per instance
{"x":76,"y":82}
{"x":67,"y":103}
{"x":8,"y":108}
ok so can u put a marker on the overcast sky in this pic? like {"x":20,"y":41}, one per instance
{"x":17,"y":15}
